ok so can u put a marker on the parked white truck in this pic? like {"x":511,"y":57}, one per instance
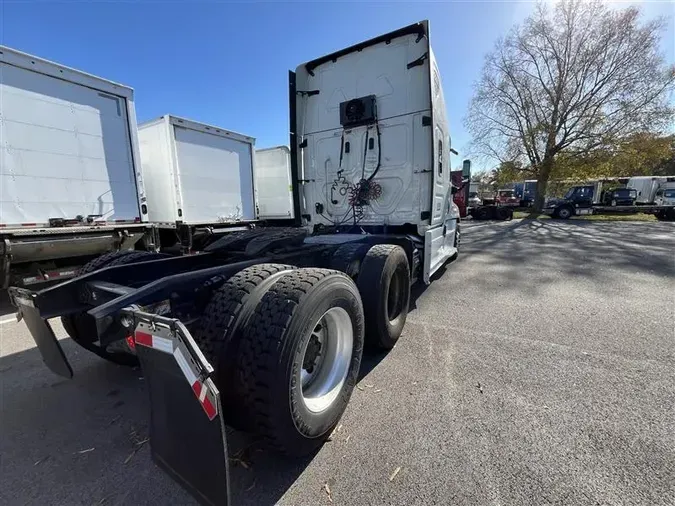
{"x":264,"y":330}
{"x":199,"y":179}
{"x":71,"y":186}
{"x":78,"y":179}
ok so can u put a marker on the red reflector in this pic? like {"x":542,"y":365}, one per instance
{"x":207,"y":405}
{"x":131,"y":343}
{"x":209,"y":409}
{"x":143,"y":339}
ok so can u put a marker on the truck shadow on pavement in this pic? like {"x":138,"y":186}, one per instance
{"x":84,"y":441}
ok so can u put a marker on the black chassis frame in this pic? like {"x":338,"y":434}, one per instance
{"x":186,"y":281}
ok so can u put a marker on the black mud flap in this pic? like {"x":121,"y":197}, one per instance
{"x":43,"y":335}
{"x":187,"y":433}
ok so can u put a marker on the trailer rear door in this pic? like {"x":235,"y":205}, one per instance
{"x":273,"y":183}
{"x":215,"y":176}
{"x":66,"y":150}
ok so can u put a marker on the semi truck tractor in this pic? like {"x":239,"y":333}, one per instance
{"x":264,"y":329}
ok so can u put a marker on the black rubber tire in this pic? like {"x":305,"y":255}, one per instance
{"x":482,"y":213}
{"x":502,"y":213}
{"x":271,"y":353}
{"x":224,"y":318}
{"x":382,"y":264}
{"x":79,"y":325}
{"x":458,"y":236}
{"x":348,"y":257}
{"x":556,"y":213}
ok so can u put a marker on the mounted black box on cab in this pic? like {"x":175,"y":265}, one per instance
{"x":358,"y":111}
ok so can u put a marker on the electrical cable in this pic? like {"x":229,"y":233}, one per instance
{"x":379,"y":151}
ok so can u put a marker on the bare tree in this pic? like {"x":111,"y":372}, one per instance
{"x":571,"y":79}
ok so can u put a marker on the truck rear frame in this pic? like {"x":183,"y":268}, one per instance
{"x":304,"y":298}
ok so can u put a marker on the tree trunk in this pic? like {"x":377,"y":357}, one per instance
{"x":542,"y":182}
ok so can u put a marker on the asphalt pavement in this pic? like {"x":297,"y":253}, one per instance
{"x":537,"y":368}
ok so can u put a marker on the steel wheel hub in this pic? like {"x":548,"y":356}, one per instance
{"x":326,"y":359}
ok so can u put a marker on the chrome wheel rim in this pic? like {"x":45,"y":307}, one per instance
{"x":326,"y":359}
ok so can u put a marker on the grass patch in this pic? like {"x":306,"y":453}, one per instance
{"x":531,"y":215}
{"x":617,"y":217}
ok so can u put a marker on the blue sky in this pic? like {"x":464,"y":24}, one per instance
{"x":226,"y":63}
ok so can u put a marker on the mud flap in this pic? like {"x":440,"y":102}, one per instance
{"x":43,"y":335}
{"x":187,"y":433}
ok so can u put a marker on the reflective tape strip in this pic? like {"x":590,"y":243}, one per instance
{"x":185,"y":367}
{"x":158,"y":343}
{"x":162,"y":344}
{"x":143,"y":339}
{"x":200,"y":391}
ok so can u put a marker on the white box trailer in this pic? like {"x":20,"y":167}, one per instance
{"x":646,"y":187}
{"x":69,"y":179}
{"x":274,"y":189}
{"x":196,"y":174}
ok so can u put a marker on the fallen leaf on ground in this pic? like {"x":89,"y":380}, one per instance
{"x":359,"y":387}
{"x":393,"y":475}
{"x":126,"y":461}
{"x":250,"y":487}
{"x":347,"y":438}
{"x":87,"y":450}
{"x":339,"y":428}
{"x":378,"y":390}
{"x":40,"y":461}
{"x":326,"y":487}
{"x":369,"y":386}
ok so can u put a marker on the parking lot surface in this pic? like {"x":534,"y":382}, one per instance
{"x":539,"y":367}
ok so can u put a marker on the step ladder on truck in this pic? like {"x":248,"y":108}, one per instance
{"x":264,"y":329}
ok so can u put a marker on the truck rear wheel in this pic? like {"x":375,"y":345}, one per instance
{"x":348,"y":257}
{"x":82,"y":328}
{"x":384,"y":283}
{"x":224,"y":319}
{"x":299,"y":358}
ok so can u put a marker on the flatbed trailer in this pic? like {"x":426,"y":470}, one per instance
{"x":567,"y":210}
{"x":588,"y":199}
{"x":264,"y":329}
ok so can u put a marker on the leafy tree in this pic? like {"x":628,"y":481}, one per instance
{"x":570,"y":82}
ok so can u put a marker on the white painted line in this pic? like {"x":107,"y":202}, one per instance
{"x":8,"y":320}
